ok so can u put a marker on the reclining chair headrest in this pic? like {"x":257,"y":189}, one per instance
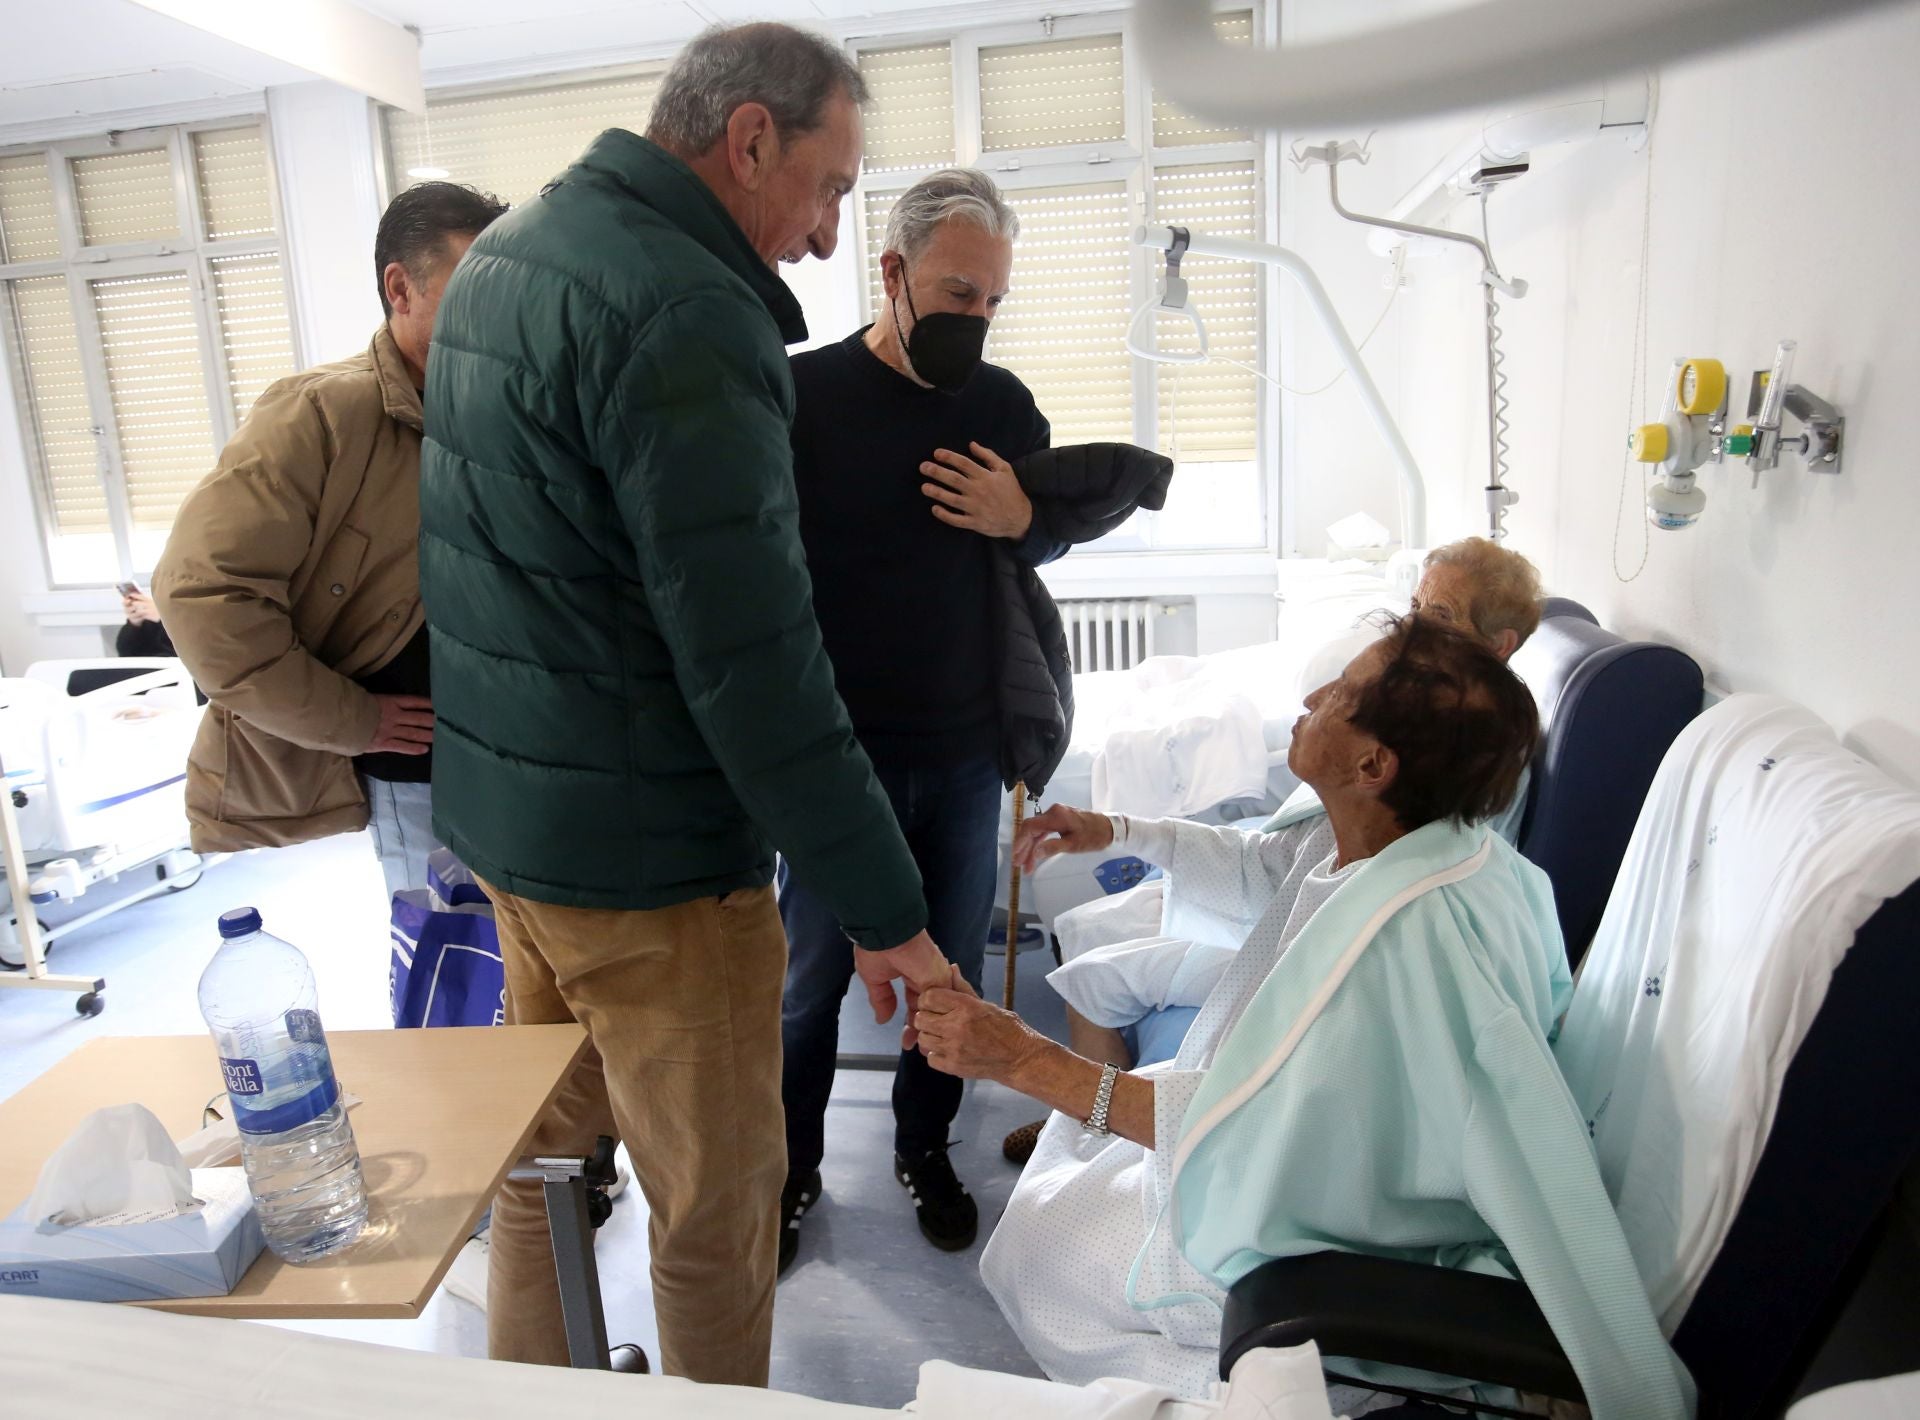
{"x":1608,"y":710}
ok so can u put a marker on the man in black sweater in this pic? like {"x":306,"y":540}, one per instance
{"x":901,"y":447}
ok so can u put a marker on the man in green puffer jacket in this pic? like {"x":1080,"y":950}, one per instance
{"x":634,"y":709}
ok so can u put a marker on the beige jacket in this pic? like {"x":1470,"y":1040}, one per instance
{"x":292,"y":568}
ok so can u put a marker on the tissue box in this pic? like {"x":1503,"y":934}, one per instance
{"x":198,"y":1254}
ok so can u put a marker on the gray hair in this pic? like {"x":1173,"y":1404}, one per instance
{"x":791,"y":72}
{"x":963,"y":194}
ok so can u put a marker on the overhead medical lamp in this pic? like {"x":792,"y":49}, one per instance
{"x":1178,"y":242}
{"x":1495,"y":51}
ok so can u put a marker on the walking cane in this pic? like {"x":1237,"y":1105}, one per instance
{"x":1013,"y":895}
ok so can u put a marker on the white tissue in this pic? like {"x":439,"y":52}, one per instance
{"x":1358,"y":530}
{"x":119,"y":1160}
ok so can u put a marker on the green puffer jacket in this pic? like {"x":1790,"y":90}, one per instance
{"x":633,"y":705}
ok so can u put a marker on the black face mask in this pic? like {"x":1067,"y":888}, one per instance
{"x":945,"y":347}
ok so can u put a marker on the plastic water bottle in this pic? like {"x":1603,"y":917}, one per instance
{"x":258,"y":998}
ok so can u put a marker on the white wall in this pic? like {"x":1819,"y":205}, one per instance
{"x":1785,"y":191}
{"x":323,"y":152}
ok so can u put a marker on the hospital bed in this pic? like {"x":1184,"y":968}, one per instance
{"x":1200,"y":737}
{"x":1748,"y":1280}
{"x":95,"y":755}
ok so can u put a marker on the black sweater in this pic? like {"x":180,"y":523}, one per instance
{"x":902,"y":598}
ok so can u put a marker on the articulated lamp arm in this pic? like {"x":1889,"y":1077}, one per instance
{"x":1413,"y":489}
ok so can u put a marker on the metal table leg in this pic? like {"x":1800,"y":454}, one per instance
{"x":13,"y":858}
{"x":565,"y":1182}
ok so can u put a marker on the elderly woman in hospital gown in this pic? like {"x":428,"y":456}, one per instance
{"x":1371,"y":1074}
{"x":1483,"y":588}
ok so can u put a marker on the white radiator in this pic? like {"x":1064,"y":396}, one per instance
{"x":1110,"y":635}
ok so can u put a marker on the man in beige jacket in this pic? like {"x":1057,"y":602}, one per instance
{"x":291,"y":585}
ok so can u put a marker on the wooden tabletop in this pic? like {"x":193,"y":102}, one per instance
{"x":444,"y":1115}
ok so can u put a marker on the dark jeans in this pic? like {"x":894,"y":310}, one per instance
{"x":950,"y":815}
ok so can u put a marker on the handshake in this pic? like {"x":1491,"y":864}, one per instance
{"x":946,"y":1020}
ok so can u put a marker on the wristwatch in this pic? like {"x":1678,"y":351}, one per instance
{"x":1102,"y":1101}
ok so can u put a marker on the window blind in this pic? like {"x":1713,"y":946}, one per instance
{"x":126,"y":197}
{"x":29,"y":228}
{"x":879,"y":206}
{"x":1063,"y":328}
{"x":236,"y":195}
{"x":250,"y":299}
{"x":513,"y":144}
{"x":1174,"y":127}
{"x":158,"y":389}
{"x":1208,"y":413}
{"x":1051,"y":94}
{"x":46,"y":346}
{"x":909,"y":113}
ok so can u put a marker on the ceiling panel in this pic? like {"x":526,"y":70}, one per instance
{"x":798,"y":12}
{"x":574,"y":35}
{"x":77,"y":98}
{"x":74,"y":40}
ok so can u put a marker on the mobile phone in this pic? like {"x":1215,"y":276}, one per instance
{"x":128,"y":589}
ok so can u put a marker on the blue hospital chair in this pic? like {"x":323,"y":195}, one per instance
{"x":1846,"y":1132}
{"x":1609,"y":708}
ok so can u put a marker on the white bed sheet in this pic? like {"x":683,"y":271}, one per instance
{"x":1176,"y":736}
{"x":86,"y":1359}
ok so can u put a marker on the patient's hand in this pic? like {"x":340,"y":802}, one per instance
{"x":1060,"y":830}
{"x":965,"y":1036}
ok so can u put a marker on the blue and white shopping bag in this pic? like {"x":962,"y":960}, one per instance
{"x":446,"y":951}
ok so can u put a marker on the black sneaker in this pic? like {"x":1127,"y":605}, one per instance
{"x":798,"y":1196}
{"x":946,"y":1212}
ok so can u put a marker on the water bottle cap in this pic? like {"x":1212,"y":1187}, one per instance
{"x":239,"y":922}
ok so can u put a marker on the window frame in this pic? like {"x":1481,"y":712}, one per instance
{"x":1136,"y":161}
{"x":190,"y":253}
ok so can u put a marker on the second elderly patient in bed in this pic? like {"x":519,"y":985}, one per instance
{"x":1371,"y":1074}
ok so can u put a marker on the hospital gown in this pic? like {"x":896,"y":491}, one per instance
{"x":1068,"y":1303}
{"x":1150,"y":955}
{"x":1372,"y":1074}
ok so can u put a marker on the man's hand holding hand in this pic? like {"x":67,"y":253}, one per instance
{"x":980,"y":494}
{"x":1060,"y":830}
{"x":406,"y":725}
{"x":917,"y":962}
